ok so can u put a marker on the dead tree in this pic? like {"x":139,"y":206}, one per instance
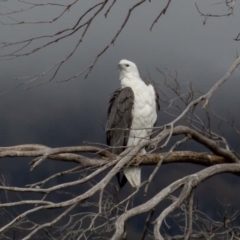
{"x":111,"y":216}
{"x":89,"y":206}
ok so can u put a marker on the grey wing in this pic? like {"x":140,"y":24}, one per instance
{"x":119,"y":118}
{"x":157,"y":99}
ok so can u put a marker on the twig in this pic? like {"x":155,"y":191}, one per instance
{"x":190,"y":217}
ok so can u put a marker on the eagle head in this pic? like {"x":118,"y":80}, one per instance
{"x":127,"y":68}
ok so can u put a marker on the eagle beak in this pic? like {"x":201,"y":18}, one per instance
{"x":119,"y":66}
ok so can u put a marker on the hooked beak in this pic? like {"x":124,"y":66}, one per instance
{"x":119,"y":67}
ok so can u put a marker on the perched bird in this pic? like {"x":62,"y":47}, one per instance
{"x":132,"y":113}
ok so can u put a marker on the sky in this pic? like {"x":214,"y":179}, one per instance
{"x":70,"y":113}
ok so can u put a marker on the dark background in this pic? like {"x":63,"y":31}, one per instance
{"x":66,"y":114}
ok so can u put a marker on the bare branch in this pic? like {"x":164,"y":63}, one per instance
{"x":190,"y":217}
{"x":160,"y":14}
{"x":189,"y":182}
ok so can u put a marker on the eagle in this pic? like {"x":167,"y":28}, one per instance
{"x":132,"y":113}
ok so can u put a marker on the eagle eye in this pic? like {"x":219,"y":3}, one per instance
{"x":127,"y":65}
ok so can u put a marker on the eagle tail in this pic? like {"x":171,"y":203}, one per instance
{"x":133,"y":175}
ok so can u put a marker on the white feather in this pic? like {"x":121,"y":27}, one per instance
{"x":133,"y":175}
{"x":144,"y":112}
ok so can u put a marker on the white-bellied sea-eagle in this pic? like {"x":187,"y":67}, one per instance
{"x":134,"y":107}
